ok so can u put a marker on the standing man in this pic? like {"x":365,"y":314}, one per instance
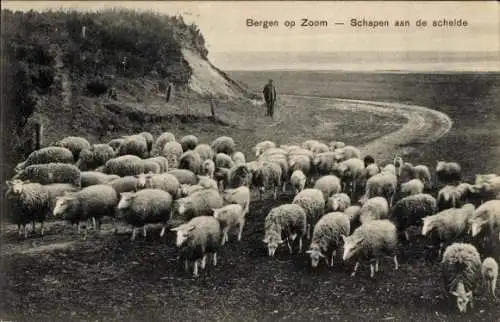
{"x":270,"y":97}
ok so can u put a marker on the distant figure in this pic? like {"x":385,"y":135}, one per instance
{"x":270,"y":97}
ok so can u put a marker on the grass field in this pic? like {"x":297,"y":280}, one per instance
{"x":108,"y":278}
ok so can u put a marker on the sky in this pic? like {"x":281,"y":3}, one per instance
{"x":223,"y":24}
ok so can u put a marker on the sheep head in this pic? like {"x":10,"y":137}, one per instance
{"x":427,"y":225}
{"x":352,"y":245}
{"x":183,"y":233}
{"x":126,"y":199}
{"x":63,"y":203}
{"x":463,"y":297}
{"x":315,"y":254}
{"x":273,"y":240}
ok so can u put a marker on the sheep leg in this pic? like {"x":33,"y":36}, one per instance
{"x":377,"y":264}
{"x":493,"y":283}
{"x":85,"y":233}
{"x":19,"y":232}
{"x":307,"y":231}
{"x":214,"y":259}
{"x":334,"y":253}
{"x":300,"y":244}
{"x":355,"y":269}
{"x":163,"y":231}
{"x":25,"y":231}
{"x":372,"y":270}
{"x":144,"y":231}
{"x":284,"y":186}
{"x":134,"y":234}
{"x":241,"y":231}
{"x":78,"y":228}
{"x":276,"y":192}
{"x":195,"y":268}
{"x":42,"y":228}
{"x":186,"y":265}
{"x":94,"y":225}
{"x":396,"y":264}
{"x":407,"y":236}
{"x":289,"y":246}
{"x":204,"y":261}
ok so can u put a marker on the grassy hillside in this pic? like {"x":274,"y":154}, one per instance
{"x":98,"y":74}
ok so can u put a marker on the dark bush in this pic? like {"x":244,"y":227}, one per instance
{"x":97,"y":87}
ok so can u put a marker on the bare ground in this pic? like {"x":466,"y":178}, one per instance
{"x":61,"y":278}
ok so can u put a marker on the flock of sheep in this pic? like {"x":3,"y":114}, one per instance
{"x":341,"y":201}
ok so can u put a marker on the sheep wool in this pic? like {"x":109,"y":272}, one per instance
{"x":125,"y":184}
{"x":172,"y":151}
{"x":188,"y":142}
{"x":298,"y":181}
{"x":486,"y":218}
{"x":75,"y":144}
{"x":115,"y":143}
{"x":288,"y":220}
{"x":447,"y":172}
{"x":327,"y":237}
{"x":29,"y":202}
{"x":489,"y":271}
{"x":239,"y":175}
{"x":134,"y":145}
{"x":447,"y":197}
{"x":353,"y":213}
{"x":268,"y":174}
{"x":51,"y":173}
{"x":223,"y":160}
{"x":95,"y":157}
{"x":263,"y":146}
{"x":323,"y":163}
{"x":338,"y":202}
{"x":223,"y":144}
{"x":461,"y":271}
{"x":412,"y":187}
{"x":383,"y":184}
{"x":164,"y":181}
{"x":200,"y":203}
{"x":162,"y":162}
{"x":240,"y":196}
{"x":190,"y":160}
{"x":94,"y":201}
{"x":159,"y":144}
{"x":184,"y":176}
{"x":447,"y":226}
{"x":149,"y":140}
{"x":197,"y":239}
{"x":372,"y":240}
{"x":151,"y":166}
{"x":90,"y":178}
{"x":208,"y":168}
{"x":205,"y":151}
{"x":231,"y":217}
{"x":145,"y":207}
{"x":311,"y":200}
{"x":374,"y":209}
{"x":328,"y":185}
{"x":238,"y":157}
{"x":51,"y":154}
{"x":410,"y":210}
{"x":125,"y":165}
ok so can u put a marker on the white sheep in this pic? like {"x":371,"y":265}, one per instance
{"x":313,"y":203}
{"x":125,"y":165}
{"x":353,"y":212}
{"x":184,"y":176}
{"x":208,"y":168}
{"x":299,"y":162}
{"x":48,"y":173}
{"x":126,"y":184}
{"x":51,"y":154}
{"x":347,"y":152}
{"x":190,"y":160}
{"x":239,"y":175}
{"x":162,"y":162}
{"x":91,"y":202}
{"x":489,"y":271}
{"x":149,"y":140}
{"x":327,"y":236}
{"x":240,"y":196}
{"x":383,"y":184}
{"x":288,"y":220}
{"x":373,"y":209}
{"x":95,"y":157}
{"x":389,"y":168}
{"x":412,"y":187}
{"x":461,"y":271}
{"x":328,"y":185}
{"x":334,"y":145}
{"x":197,"y":239}
{"x":134,"y":145}
{"x":200,"y":203}
{"x":263,"y":146}
{"x":75,"y":144}
{"x":448,"y":225}
{"x":486,"y":218}
{"x":447,"y":197}
{"x":238,"y":158}
{"x":309,"y":144}
{"x":188,"y":142}
{"x":223,"y":144}
{"x":323,"y":163}
{"x":172,"y":150}
{"x":350,"y":171}
{"x":298,"y":181}
{"x":421,"y":172}
{"x":319,"y":148}
{"x":205,"y":151}
{"x":338,"y":202}
{"x":231,"y":217}
{"x":144,"y":207}
{"x":90,"y":178}
{"x":159,"y":144}
{"x":164,"y":181}
{"x":223,"y":160}
{"x":372,"y":240}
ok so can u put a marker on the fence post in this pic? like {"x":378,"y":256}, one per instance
{"x":212,"y":108}
{"x":38,"y":136}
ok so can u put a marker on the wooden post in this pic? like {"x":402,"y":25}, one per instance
{"x":38,"y":136}
{"x":212,"y":108}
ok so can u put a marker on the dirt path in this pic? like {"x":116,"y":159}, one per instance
{"x":423,"y":125}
